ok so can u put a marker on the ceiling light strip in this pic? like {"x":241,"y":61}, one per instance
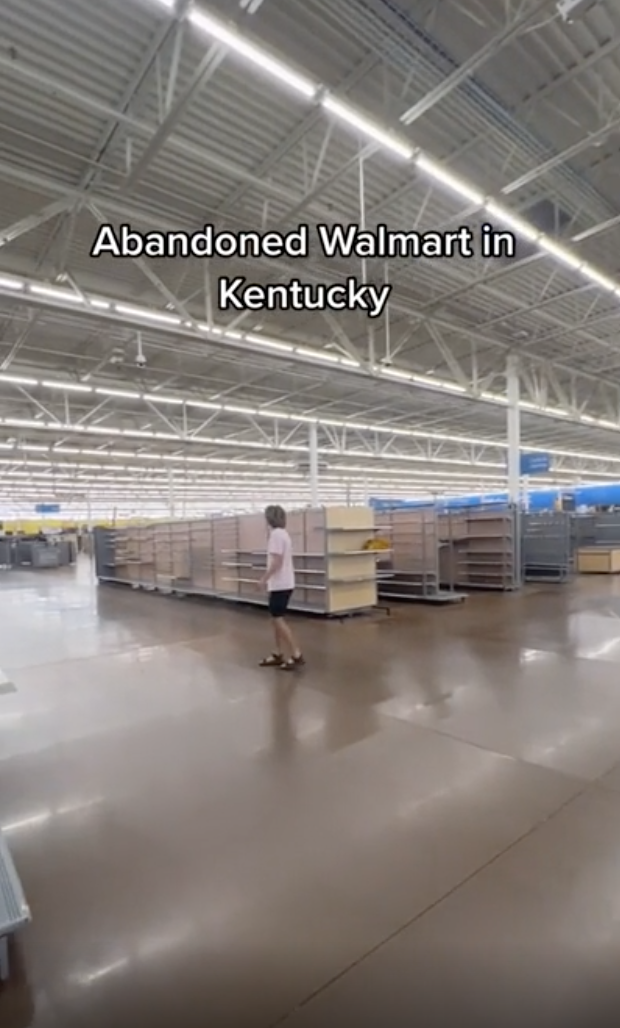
{"x":253,"y":54}
{"x":308,"y":354}
{"x":275,"y":414}
{"x":385,"y":138}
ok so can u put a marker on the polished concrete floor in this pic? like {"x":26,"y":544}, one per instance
{"x":423,"y":825}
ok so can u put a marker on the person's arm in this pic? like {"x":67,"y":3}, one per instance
{"x":275,"y":559}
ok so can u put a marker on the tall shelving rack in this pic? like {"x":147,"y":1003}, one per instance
{"x":546,"y":546}
{"x":480,"y":549}
{"x":351,"y":573}
{"x":225,"y":557}
{"x":410,"y":570}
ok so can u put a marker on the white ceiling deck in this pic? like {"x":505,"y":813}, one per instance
{"x":122,"y":111}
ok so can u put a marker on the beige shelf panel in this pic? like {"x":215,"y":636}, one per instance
{"x":598,"y":561}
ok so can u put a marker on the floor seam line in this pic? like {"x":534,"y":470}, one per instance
{"x":496,"y":753}
{"x":427,"y":910}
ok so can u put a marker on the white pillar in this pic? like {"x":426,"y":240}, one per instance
{"x":313,"y":446}
{"x":171,"y":493}
{"x":514,"y":430}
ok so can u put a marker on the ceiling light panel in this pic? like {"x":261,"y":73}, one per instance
{"x":253,"y":54}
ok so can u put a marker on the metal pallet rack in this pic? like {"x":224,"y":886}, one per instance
{"x":546,"y":547}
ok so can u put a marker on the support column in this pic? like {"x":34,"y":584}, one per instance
{"x":171,"y":498}
{"x":514,"y":430}
{"x":313,"y":447}
{"x":362,"y":198}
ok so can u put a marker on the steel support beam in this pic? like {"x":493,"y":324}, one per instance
{"x":33,"y":221}
{"x":190,"y":333}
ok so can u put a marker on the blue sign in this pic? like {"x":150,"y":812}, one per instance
{"x":47,"y":508}
{"x":535,"y":463}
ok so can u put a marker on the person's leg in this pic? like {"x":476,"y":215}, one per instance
{"x":288,"y":640}
{"x":277,"y":657}
{"x":296,"y":659}
{"x":279,"y":637}
{"x":287,"y":654}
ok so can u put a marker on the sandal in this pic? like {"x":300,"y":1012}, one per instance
{"x":275,"y":660}
{"x":292,"y":664}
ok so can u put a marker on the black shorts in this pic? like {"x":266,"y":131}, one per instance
{"x":279,"y":601}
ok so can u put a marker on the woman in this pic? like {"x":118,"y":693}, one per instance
{"x":279,"y":580}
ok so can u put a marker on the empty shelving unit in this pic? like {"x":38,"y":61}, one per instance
{"x":480,"y":549}
{"x":546,"y":547}
{"x":351,"y":573}
{"x":225,"y":557}
{"x":410,"y":569}
{"x":334,"y":574}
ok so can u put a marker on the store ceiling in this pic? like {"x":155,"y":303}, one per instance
{"x":125,"y":111}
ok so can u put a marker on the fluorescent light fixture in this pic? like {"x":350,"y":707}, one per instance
{"x":366,"y":127}
{"x":599,"y":278}
{"x":56,"y":294}
{"x":144,"y":312}
{"x":493,"y":397}
{"x":10,"y":283}
{"x":512,"y":222}
{"x":271,"y":344}
{"x":319,"y":355}
{"x":405,"y":376}
{"x":239,"y":410}
{"x":22,"y":423}
{"x":67,"y":387}
{"x":211,"y":329}
{"x":120,"y":393}
{"x":252,"y":53}
{"x":456,"y":185}
{"x":560,"y":253}
{"x":156,"y":398}
{"x":203,"y":405}
{"x":18,"y":380}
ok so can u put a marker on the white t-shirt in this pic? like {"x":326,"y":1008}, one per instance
{"x":280,"y":545}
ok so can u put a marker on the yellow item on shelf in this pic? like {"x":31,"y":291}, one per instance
{"x":376,"y":544}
